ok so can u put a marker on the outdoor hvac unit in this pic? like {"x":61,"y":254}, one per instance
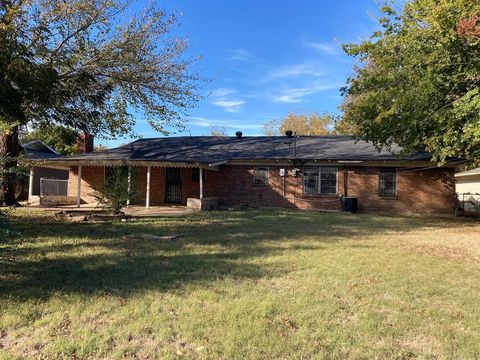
{"x":349,"y":204}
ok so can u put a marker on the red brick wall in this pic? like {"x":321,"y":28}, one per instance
{"x":92,"y":176}
{"x":418,"y":191}
{"x":234,"y":186}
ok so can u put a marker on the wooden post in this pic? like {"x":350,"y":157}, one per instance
{"x":129,"y":186}
{"x":201,"y":183}
{"x":30,"y":186}
{"x":147,"y":202}
{"x":79,"y":184}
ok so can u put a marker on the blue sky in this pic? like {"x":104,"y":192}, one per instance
{"x":267,"y":58}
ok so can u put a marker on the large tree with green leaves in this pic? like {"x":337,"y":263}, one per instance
{"x":89,"y":65}
{"x":418,"y":79}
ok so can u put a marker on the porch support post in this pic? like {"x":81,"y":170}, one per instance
{"x":79,"y":184}
{"x":147,"y":202}
{"x":201,"y":183}
{"x":30,"y":186}
{"x":129,"y":186}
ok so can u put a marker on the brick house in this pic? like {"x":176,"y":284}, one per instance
{"x":307,"y":172}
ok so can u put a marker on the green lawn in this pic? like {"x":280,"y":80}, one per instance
{"x":256,"y":284}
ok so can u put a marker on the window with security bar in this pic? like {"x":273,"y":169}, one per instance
{"x":260,"y":175}
{"x":387,"y":185}
{"x":320,"y":180}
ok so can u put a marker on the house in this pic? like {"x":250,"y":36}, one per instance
{"x":307,"y":172}
{"x":468,"y":189}
{"x":29,"y":188}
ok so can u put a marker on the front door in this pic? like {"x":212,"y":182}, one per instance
{"x":174,"y":186}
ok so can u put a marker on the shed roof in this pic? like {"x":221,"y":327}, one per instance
{"x":468,"y":173}
{"x":209,"y":149}
{"x":38,"y":150}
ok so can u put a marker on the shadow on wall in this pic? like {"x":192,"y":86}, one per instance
{"x":94,"y":258}
{"x":235,"y":187}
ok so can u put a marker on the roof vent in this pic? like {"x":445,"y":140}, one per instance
{"x":238,"y":134}
{"x":289,"y":133}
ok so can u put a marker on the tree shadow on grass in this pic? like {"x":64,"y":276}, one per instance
{"x":55,"y":257}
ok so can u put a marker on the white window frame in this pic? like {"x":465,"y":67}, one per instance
{"x":396,"y":182}
{"x":267,"y":168}
{"x":319,"y":189}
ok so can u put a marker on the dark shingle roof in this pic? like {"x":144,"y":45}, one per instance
{"x":208,"y":149}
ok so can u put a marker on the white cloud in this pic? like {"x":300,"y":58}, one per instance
{"x":295,"y":95}
{"x":327,"y":48}
{"x":229,"y":105}
{"x":295,"y":70}
{"x":221,"y":97}
{"x":223,"y":92}
{"x":241,"y":55}
{"x":230,"y":124}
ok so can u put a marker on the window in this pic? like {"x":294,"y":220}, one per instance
{"x":260,"y":175}
{"x":319,"y":180}
{"x":196,"y":174}
{"x":387,"y":185}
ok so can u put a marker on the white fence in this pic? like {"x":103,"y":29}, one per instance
{"x":53,"y":187}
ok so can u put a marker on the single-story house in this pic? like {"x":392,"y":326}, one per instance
{"x":307,"y":172}
{"x":468,"y":189}
{"x":29,"y":188}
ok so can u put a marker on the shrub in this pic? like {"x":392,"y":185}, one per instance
{"x":113,"y":194}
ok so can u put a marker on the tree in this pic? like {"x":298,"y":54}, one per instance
{"x":417,"y":82}
{"x":89,"y":65}
{"x":61,"y":138}
{"x":311,"y":124}
{"x":218,"y":131}
{"x":271,"y":128}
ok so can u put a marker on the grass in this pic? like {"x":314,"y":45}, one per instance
{"x":256,"y":284}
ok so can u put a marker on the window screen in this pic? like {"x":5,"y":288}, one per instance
{"x":319,"y":180}
{"x":260,"y":175}
{"x":387,"y":182}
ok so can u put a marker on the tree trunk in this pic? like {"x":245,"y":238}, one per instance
{"x":9,"y":149}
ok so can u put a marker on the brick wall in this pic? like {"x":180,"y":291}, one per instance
{"x":92,"y":176}
{"x":419,"y":191}
{"x":234,"y":186}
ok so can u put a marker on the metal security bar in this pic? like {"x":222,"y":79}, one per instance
{"x":53,"y":187}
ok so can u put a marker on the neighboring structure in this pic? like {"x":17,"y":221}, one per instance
{"x":468,"y":189}
{"x":39,"y":152}
{"x":277,"y":171}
